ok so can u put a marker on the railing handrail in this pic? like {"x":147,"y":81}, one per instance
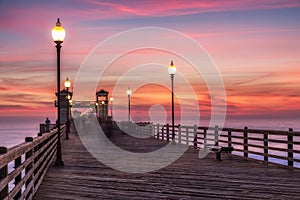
{"x":297,"y":133}
{"x":238,"y":137}
{"x":38,"y":154}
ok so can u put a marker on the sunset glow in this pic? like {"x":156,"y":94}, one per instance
{"x":254,"y":44}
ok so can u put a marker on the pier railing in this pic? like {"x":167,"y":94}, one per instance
{"x":274,"y":146}
{"x":30,"y":161}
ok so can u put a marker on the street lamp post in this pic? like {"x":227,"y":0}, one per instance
{"x":111,"y":106}
{"x":58,"y":35}
{"x":67,"y":86}
{"x":128,"y":94}
{"x":97,"y":109}
{"x":102,"y":102}
{"x":172,"y":71}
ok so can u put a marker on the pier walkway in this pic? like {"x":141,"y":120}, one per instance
{"x":83,"y":177}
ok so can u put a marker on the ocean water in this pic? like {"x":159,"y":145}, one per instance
{"x":13,"y":132}
{"x":268,"y":124}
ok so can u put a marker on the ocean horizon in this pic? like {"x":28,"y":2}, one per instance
{"x":13,"y":132}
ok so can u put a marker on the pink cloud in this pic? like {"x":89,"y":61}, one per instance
{"x":173,"y":8}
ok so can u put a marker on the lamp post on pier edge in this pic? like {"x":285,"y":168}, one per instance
{"x":67,"y":84}
{"x":172,"y":72}
{"x":58,"y":35}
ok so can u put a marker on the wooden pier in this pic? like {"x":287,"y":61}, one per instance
{"x":34,"y":175}
{"x":83,"y":177}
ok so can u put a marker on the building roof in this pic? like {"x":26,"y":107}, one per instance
{"x":102,"y":93}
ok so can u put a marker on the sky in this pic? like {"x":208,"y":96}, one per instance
{"x":255,"y":46}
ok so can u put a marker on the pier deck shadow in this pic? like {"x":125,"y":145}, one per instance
{"x":83,"y":177}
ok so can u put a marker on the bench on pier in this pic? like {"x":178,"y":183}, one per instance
{"x":218,"y":151}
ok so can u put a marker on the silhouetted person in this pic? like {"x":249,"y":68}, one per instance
{"x":47,"y":122}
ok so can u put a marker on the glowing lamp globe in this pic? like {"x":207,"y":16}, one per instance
{"x":129,"y":92}
{"x":58,"y":32}
{"x":67,"y":83}
{"x":172,"y":69}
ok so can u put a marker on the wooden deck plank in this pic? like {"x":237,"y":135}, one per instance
{"x":83,"y":177}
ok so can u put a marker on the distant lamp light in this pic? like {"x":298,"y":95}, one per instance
{"x":67,"y":83}
{"x":128,"y":91}
{"x":102,"y":102}
{"x":111,"y":99}
{"x":58,"y":32}
{"x":172,"y":69}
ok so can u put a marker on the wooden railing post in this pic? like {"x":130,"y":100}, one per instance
{"x":179,"y":134}
{"x":157,"y":129}
{"x":195,"y":137}
{"x":290,"y":148}
{"x":266,"y":147}
{"x":3,"y":174}
{"x":246,"y":142}
{"x":216,"y":135}
{"x":28,"y":154}
{"x":148,"y":130}
{"x":153,"y":130}
{"x":167,"y":132}
{"x":163,"y":131}
{"x":42,"y":128}
{"x":187,"y":136}
{"x":18,"y":162}
{"x":145,"y":129}
{"x":204,"y":137}
{"x":229,"y":139}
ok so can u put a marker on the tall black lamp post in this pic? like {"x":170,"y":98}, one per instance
{"x":67,"y":84}
{"x":172,"y":72}
{"x":58,"y":35}
{"x":128,"y":94}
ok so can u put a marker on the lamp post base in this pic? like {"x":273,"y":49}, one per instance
{"x":59,"y":163}
{"x":173,"y":142}
{"x":67,"y":129}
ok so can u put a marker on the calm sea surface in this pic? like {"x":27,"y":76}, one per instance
{"x":14,"y":132}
